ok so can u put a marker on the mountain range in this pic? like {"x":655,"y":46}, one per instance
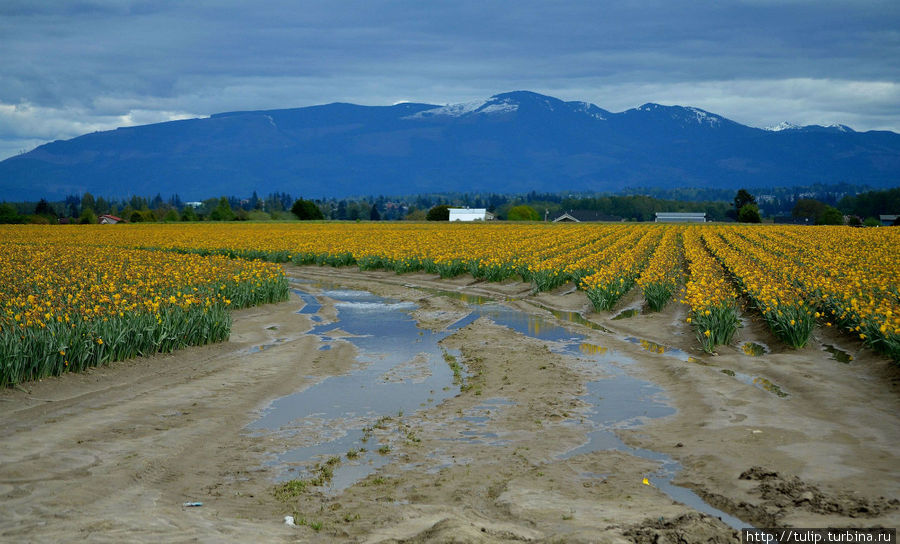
{"x":510,"y":143}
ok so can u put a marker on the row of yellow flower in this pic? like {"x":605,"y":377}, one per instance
{"x":664,"y":272}
{"x":709,"y":293}
{"x":64,"y":307}
{"x":766,"y":282}
{"x":847,"y":276}
{"x":617,"y":275}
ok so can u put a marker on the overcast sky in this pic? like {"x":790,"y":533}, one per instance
{"x":71,"y":67}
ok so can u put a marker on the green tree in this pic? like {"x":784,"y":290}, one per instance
{"x":88,"y":217}
{"x":46,"y":211}
{"x":415,"y":214}
{"x":306,"y":210}
{"x":741,"y":199}
{"x":9,"y":215}
{"x":374,"y":215}
{"x":440,"y":212}
{"x":749,"y":213}
{"x":830,"y":216}
{"x":808,"y":207}
{"x":223,"y":211}
{"x":523,"y":212}
{"x":189,"y":214}
{"x":87,"y":201}
{"x":871,"y":222}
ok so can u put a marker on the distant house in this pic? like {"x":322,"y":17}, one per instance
{"x":888,"y":220}
{"x":584,"y":216}
{"x":680,"y":217}
{"x":110,"y":219}
{"x":470,"y":214}
{"x":194,"y":205}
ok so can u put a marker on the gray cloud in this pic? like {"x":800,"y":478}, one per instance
{"x":70,"y":68}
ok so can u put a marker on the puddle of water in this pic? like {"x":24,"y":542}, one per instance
{"x":458,"y":295}
{"x":389,"y":343}
{"x":478,"y":417}
{"x":592,"y":349}
{"x":653,"y":347}
{"x":310,"y":304}
{"x":527,"y":324}
{"x":626,"y":313}
{"x":575,"y":317}
{"x":838,"y":354}
{"x":767,"y":385}
{"x":754,"y":349}
{"x":263,"y":347}
{"x":757,"y":381}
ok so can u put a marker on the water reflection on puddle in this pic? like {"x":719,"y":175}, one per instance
{"x":754,"y":349}
{"x":662,"y":349}
{"x":838,"y":354}
{"x":626,"y":313}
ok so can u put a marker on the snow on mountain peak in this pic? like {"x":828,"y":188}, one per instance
{"x":465,"y":108}
{"x":784,"y":125}
{"x":703,"y":117}
{"x":839,"y":127}
{"x":589,"y":109}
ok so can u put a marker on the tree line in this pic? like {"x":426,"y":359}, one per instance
{"x":532,"y":206}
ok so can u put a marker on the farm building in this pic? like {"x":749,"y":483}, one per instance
{"x":470,"y":214}
{"x":680,"y":217}
{"x":888,"y":220}
{"x":110,"y":220}
{"x":584,"y":216}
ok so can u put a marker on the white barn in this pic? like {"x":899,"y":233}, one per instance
{"x":470,"y":214}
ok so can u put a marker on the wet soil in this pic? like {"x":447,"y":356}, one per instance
{"x":114,"y":454}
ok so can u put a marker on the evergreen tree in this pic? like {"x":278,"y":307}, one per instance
{"x":223,"y":211}
{"x":306,"y":210}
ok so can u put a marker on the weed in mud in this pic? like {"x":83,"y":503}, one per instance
{"x":384,"y":450}
{"x":376,"y":480}
{"x":382,"y":422}
{"x":289,"y":490}
{"x":303,"y":522}
{"x":455,"y":367}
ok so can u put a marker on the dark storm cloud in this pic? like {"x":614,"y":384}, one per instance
{"x":69,"y":67}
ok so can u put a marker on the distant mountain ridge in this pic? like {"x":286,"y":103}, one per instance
{"x":511,"y":142}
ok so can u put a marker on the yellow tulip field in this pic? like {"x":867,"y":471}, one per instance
{"x":76,"y":296}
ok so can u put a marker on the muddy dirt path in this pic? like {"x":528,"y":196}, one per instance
{"x":788,"y":437}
